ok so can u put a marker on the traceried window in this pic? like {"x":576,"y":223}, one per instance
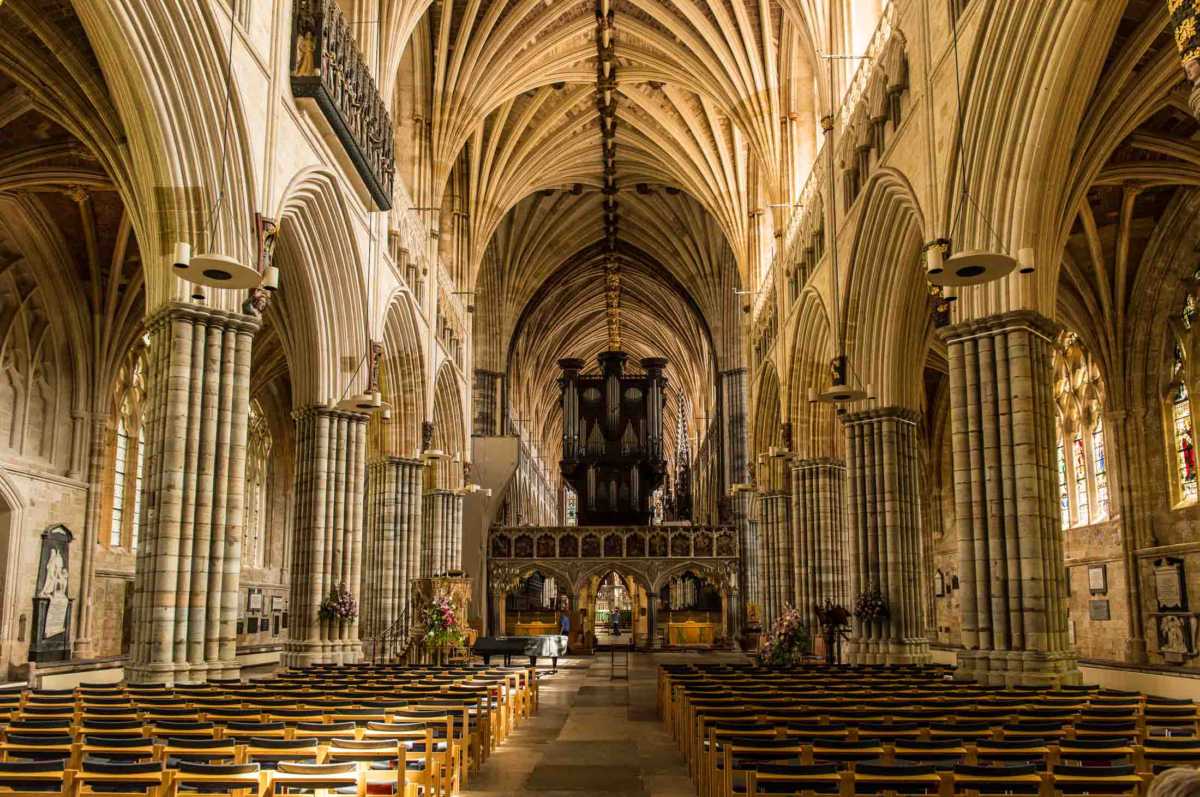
{"x":258,"y":457}
{"x":128,"y":451}
{"x":1083,"y":485}
{"x":120,"y":466}
{"x":1079,"y":468}
{"x":1064,"y":500}
{"x":1100,"y":470}
{"x":1182,"y":432}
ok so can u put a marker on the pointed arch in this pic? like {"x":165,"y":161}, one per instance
{"x":814,"y":424}
{"x":885,"y":323}
{"x":449,"y":428}
{"x":402,"y":380}
{"x":320,"y":308}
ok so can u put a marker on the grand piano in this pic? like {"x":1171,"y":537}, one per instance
{"x":535,"y":647}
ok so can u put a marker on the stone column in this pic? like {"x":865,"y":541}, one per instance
{"x":733,"y":426}
{"x":330,"y":477}
{"x":1014,"y":609}
{"x":774,"y":524}
{"x":391,"y":542}
{"x":186,"y":591}
{"x":441,"y":533}
{"x":822,"y":545}
{"x":747,"y":532}
{"x":886,"y":547}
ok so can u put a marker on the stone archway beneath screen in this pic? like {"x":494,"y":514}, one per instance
{"x":645,"y":560}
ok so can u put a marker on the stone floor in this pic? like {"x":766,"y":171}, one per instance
{"x":592,"y":736}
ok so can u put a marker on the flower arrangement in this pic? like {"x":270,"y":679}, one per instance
{"x":788,"y":640}
{"x":871,"y":606}
{"x":442,"y":629}
{"x":338,"y":605}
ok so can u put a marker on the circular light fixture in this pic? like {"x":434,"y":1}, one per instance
{"x":363,"y":403}
{"x":837,"y":394}
{"x":973,"y":267}
{"x":217,"y":271}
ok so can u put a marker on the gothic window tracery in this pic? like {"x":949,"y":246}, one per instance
{"x":128,"y":451}
{"x":258,"y":488}
{"x":1177,"y":406}
{"x":1083,"y":484}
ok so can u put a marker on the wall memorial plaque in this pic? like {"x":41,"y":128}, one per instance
{"x":1098,"y":579}
{"x":1099,"y":610}
{"x":1169,"y":586}
{"x":51,"y":638}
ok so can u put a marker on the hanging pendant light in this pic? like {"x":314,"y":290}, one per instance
{"x":208,"y":268}
{"x":968,"y":266}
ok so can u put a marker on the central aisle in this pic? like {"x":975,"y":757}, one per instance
{"x":591,"y":735}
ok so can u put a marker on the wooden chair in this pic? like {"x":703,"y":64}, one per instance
{"x":119,"y":779}
{"x":310,"y":777}
{"x":1071,"y":780}
{"x":218,"y":780}
{"x":775,"y":779}
{"x":1157,"y":753}
{"x":324,"y":730}
{"x":35,"y":778}
{"x":969,"y":780}
{"x":91,"y":726}
{"x":268,"y":752}
{"x":205,"y":751}
{"x":871,"y":777}
{"x":116,"y":748}
{"x":19,"y":747}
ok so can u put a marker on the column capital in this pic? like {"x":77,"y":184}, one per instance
{"x":317,"y":410}
{"x":895,"y":413}
{"x":818,"y":462}
{"x":198,"y":314}
{"x":1003,"y":322}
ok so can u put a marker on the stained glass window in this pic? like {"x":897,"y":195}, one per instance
{"x":1101,"y":470}
{"x":135,"y":522}
{"x":120,"y":464}
{"x":1079,"y":464}
{"x":1064,"y":504}
{"x":1185,"y":448}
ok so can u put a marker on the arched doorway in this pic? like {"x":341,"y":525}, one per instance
{"x":610,"y":594}
{"x":692,"y":611}
{"x":534,"y":606}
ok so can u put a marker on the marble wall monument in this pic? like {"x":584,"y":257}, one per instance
{"x":52,"y":602}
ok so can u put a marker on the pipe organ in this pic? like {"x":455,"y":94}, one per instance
{"x":613,"y":438}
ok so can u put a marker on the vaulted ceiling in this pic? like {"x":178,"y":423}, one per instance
{"x":716,"y":129}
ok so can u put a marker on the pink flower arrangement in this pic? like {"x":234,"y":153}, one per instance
{"x":442,"y":629}
{"x":788,"y":641}
{"x":338,"y":605}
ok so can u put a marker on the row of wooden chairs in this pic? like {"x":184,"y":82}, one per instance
{"x":419,"y":731}
{"x":731,"y":719}
{"x":100,"y":778}
{"x":907,"y":779}
{"x":729,"y":748}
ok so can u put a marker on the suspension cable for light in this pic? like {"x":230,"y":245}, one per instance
{"x":971,"y":266}
{"x":840,"y":388}
{"x":209,"y":268}
{"x":370,"y":400}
